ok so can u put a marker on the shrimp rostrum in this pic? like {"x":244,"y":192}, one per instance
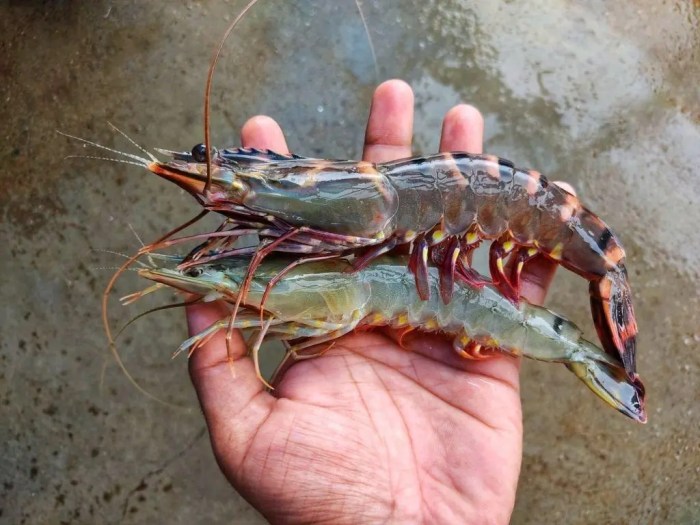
{"x":444,"y":205}
{"x":317,"y":302}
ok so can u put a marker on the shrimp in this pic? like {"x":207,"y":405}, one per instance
{"x":443,"y":205}
{"x":318,"y":302}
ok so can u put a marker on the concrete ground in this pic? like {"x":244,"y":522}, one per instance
{"x":603,"y":96}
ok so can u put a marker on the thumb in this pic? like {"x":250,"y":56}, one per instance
{"x":233,"y":399}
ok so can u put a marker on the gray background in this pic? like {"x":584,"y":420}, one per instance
{"x":604,"y":96}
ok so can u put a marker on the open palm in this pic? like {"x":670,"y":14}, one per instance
{"x":371,"y":431}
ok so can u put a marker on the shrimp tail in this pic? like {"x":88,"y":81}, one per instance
{"x":612,"y":386}
{"x":613,"y":316}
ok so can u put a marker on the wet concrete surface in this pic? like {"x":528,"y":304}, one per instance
{"x":604,"y":96}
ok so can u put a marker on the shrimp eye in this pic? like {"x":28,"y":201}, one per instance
{"x":199,"y":153}
{"x":194,"y":272}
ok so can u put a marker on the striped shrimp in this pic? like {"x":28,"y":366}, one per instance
{"x":318,"y":302}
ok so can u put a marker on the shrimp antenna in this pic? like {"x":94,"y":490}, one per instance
{"x":112,"y":268}
{"x":153,"y":310}
{"x":105,"y":303}
{"x":215,"y":61}
{"x":110,"y":159}
{"x":132,"y":141}
{"x":138,"y":238}
{"x":140,"y":161}
{"x":369,"y":40}
{"x":161,"y":256}
{"x":112,"y":344}
{"x":207,"y":93}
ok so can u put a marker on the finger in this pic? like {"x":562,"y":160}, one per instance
{"x":390,"y":126}
{"x":565,"y":186}
{"x":536,"y":278}
{"x":264,"y":133}
{"x":538,"y":273}
{"x":462,"y":130}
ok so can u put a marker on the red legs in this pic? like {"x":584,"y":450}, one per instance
{"x":418,"y":265}
{"x":220,"y":238}
{"x":292,"y":247}
{"x":255,"y":351}
{"x":464,"y":271}
{"x":453,"y":259}
{"x":508,"y":285}
{"x":468,"y":348}
{"x":305,"y":241}
{"x":447,"y":270}
{"x":470,"y":276}
{"x":260,"y":254}
{"x":401,"y":335}
{"x":500,"y":249}
{"x":522,"y":256}
{"x":372,"y":253}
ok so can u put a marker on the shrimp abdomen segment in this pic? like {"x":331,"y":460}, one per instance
{"x":419,"y":194}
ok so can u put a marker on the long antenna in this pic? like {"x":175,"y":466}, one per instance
{"x":369,"y":41}
{"x":207,"y":93}
{"x":110,"y":285}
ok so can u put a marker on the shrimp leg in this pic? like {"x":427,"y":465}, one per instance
{"x":500,"y":249}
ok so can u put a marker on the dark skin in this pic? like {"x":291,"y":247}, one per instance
{"x":370,"y":432}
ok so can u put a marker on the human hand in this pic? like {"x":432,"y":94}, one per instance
{"x":370,"y":432}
